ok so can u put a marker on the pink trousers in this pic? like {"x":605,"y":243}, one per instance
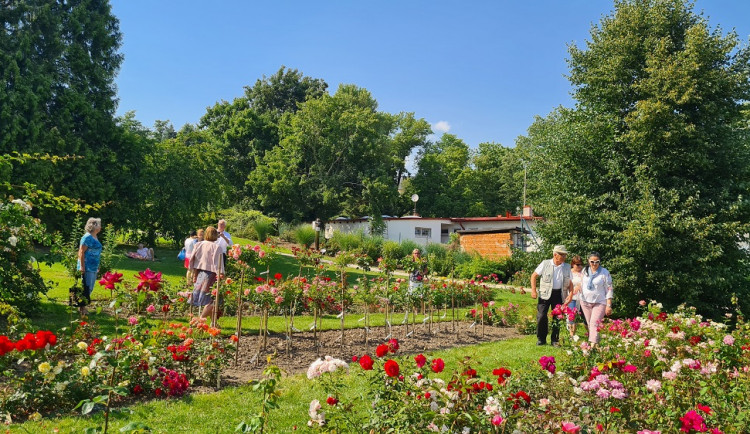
{"x":594,"y":313}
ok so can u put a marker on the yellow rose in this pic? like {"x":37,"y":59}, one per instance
{"x":44,"y":367}
{"x":85,"y":371}
{"x":35,"y":417}
{"x":82,"y":345}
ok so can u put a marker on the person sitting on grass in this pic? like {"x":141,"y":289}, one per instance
{"x":143,"y":253}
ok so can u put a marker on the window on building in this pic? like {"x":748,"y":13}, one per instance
{"x":423,"y":232}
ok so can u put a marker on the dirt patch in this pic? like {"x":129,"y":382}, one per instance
{"x":303,"y":351}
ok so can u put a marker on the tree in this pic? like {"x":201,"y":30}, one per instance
{"x":182,"y":179}
{"x":442,"y":169}
{"x":249,"y":126}
{"x":651,"y":166}
{"x":58,"y":61}
{"x":338,"y":155}
{"x":494,"y":181}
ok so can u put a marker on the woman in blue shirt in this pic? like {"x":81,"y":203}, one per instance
{"x":89,"y":253}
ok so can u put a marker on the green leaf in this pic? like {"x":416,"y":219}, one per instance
{"x":135,"y":426}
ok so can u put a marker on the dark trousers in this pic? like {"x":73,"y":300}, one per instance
{"x":542,"y":317}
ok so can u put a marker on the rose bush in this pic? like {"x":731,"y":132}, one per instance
{"x":657,"y":373}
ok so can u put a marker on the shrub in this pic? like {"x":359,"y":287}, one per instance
{"x":408,"y":246}
{"x":391,"y":251}
{"x":343,"y":241}
{"x":372,"y":247}
{"x":304,"y":235}
{"x":21,"y":282}
{"x":248,"y":223}
{"x":479,"y":265}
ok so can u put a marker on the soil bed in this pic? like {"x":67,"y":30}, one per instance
{"x":303,"y":351}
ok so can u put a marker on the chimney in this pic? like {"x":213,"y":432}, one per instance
{"x":527,"y":211}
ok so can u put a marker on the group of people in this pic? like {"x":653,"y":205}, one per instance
{"x":582,"y":288}
{"x":205,"y":258}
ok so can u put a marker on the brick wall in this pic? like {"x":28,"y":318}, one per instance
{"x":491,"y":246}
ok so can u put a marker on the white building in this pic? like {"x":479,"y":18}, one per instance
{"x":424,"y":231}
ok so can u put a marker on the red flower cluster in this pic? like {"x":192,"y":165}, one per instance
{"x":383,"y":349}
{"x":148,"y":280}
{"x":32,"y":341}
{"x":179,"y":352}
{"x":391,"y":368}
{"x":332,"y":401}
{"x":695,"y":340}
{"x":366,"y":362}
{"x":438,"y":365}
{"x":175,"y":383}
{"x":518,"y":398}
{"x":420,"y":359}
{"x":91,"y":349}
{"x":110,"y":279}
{"x":502,"y":374}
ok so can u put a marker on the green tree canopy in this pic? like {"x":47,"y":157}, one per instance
{"x":651,"y":166}
{"x":338,"y":155}
{"x":249,"y":126}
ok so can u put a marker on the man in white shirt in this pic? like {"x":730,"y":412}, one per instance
{"x":555,"y":284}
{"x":225,"y":240}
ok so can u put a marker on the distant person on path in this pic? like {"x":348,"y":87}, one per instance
{"x":208,"y":263}
{"x":576,"y":273}
{"x":417,"y":275}
{"x":224,"y":240}
{"x":555,"y":283}
{"x":89,"y":255}
{"x":189,"y":245}
{"x":596,"y":294}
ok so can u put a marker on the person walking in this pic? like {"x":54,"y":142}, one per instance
{"x":596,"y":294}
{"x":89,"y":255}
{"x":554,"y":286}
{"x":209,"y":266}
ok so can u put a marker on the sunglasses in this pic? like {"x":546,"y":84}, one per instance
{"x":578,"y":265}
{"x":594,"y":262}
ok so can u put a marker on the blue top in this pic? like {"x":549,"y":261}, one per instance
{"x":92,"y":254}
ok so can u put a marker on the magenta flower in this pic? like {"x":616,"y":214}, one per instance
{"x":110,"y":279}
{"x":570,"y":427}
{"x":148,"y":280}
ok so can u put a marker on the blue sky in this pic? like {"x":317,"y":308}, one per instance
{"x":478,"y":69}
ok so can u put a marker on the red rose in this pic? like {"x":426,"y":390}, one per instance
{"x":381,"y":350}
{"x":391,"y":368}
{"x":332,"y":401}
{"x":354,"y":359}
{"x":420,"y":359}
{"x":277,"y":276}
{"x":365,"y":362}
{"x":438,"y":365}
{"x":393,"y":345}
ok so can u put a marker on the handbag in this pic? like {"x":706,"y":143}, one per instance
{"x":181,"y":256}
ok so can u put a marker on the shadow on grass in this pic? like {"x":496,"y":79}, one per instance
{"x":54,"y":316}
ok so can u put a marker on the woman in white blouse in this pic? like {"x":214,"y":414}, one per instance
{"x":596,"y":294}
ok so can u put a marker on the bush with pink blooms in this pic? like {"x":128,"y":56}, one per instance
{"x":657,"y":373}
